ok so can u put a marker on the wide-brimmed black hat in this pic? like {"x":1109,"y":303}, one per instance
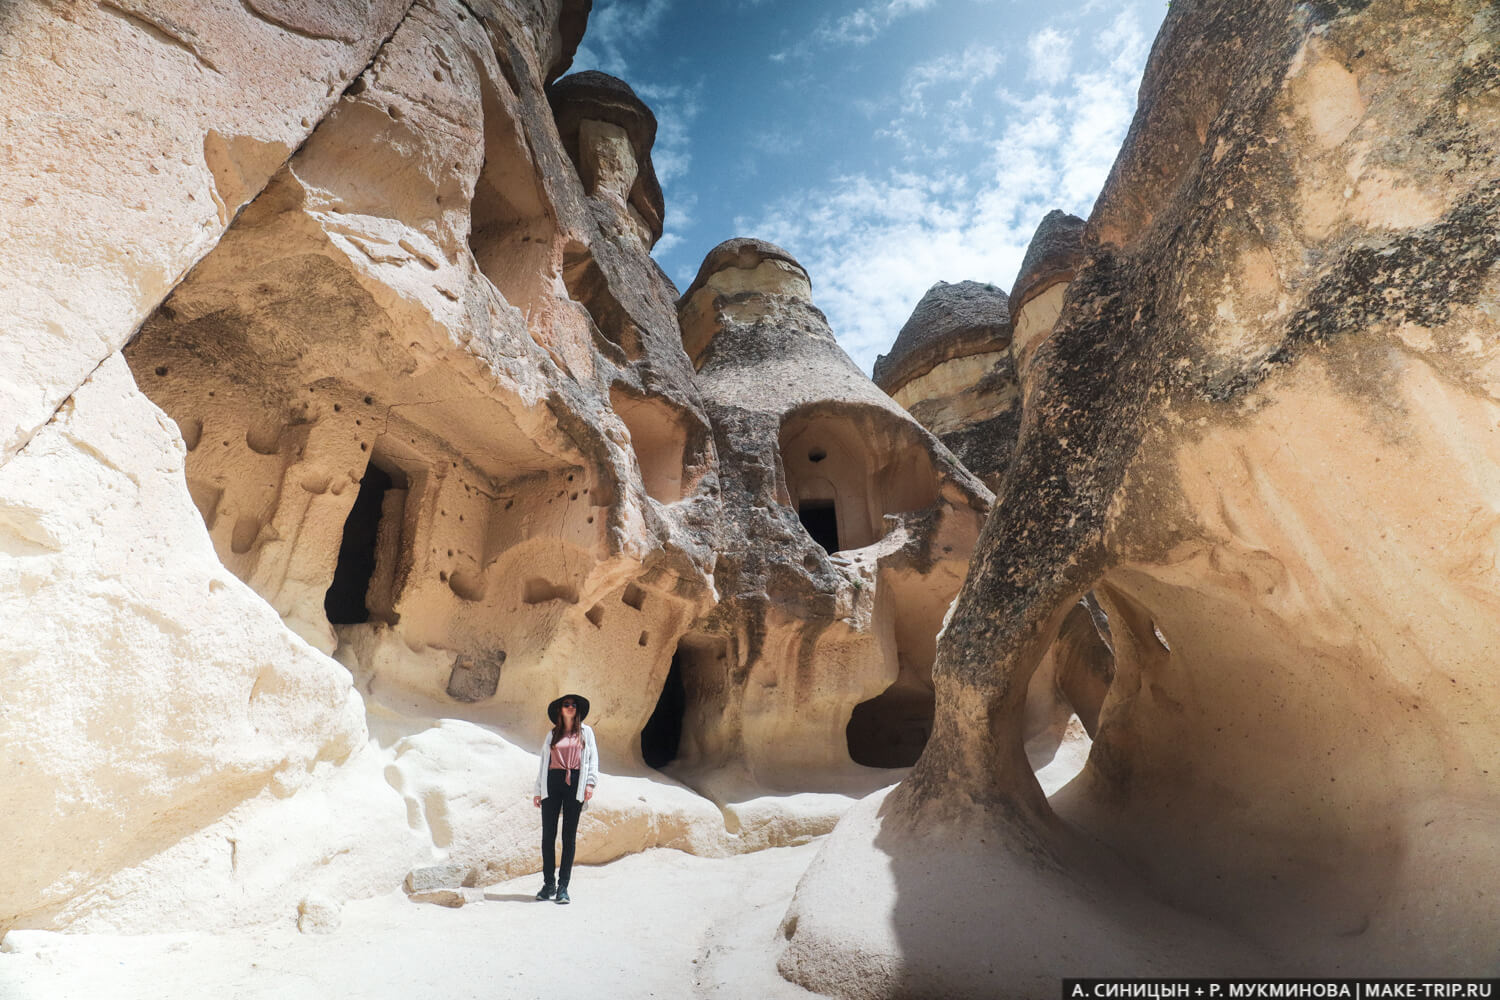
{"x":556,"y":707}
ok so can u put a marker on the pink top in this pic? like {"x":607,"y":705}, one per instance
{"x":567,"y":753}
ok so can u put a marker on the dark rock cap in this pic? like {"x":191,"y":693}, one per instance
{"x":572,"y":21}
{"x":604,"y":98}
{"x":1055,"y":252}
{"x":951,"y":321}
{"x":743,"y":252}
{"x":596,"y":96}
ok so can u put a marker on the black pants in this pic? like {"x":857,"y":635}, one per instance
{"x":560,"y":798}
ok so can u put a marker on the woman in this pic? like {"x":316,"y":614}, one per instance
{"x":569,"y":771}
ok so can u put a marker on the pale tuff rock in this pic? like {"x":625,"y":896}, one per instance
{"x":1261,"y":432}
{"x":318,"y":914}
{"x":429,"y":424}
{"x":847,"y":530}
{"x":134,"y":131}
{"x":416,"y":429}
{"x":420,"y":312}
{"x":149,"y":691}
{"x":951,"y":368}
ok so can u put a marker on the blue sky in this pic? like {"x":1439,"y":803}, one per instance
{"x":887,"y":144}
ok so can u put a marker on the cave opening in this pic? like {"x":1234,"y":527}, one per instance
{"x":373,"y":524}
{"x":891,"y":729}
{"x":663,"y":733}
{"x":821,"y":519}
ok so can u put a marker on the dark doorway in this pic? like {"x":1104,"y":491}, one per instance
{"x":821,"y":519}
{"x":891,"y":729}
{"x":663,"y":730}
{"x":345,"y":600}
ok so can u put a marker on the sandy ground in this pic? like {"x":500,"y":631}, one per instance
{"x":657,"y":924}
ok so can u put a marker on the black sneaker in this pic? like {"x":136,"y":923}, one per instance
{"x":547,"y":890}
{"x":562,"y":895}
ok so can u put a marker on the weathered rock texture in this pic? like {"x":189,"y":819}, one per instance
{"x":1036,"y":299}
{"x":847,"y":530}
{"x":134,"y":131}
{"x":951,"y":368}
{"x":401,"y":389}
{"x":1262,"y":432}
{"x":437,"y":414}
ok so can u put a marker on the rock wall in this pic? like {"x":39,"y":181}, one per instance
{"x":403,"y":442}
{"x":951,"y":368}
{"x":1260,"y":432}
{"x":847,"y":529}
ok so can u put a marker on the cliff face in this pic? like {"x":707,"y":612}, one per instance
{"x":351,"y":423}
{"x":846,"y":534}
{"x":347,"y":422}
{"x":1260,"y":431}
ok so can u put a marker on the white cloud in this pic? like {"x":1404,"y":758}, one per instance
{"x":874,"y":243}
{"x":613,"y":26}
{"x":1051,"y":54}
{"x":675,"y":107}
{"x":859,"y":26}
{"x":970,"y":67}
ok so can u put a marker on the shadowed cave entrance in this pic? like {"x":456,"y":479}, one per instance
{"x":891,"y":729}
{"x":363,"y":578}
{"x":821,"y":519}
{"x":848,"y":467}
{"x":687,"y":725}
{"x":663,"y":733}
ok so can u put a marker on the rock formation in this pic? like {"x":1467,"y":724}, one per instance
{"x":847,"y":530}
{"x":951,"y":368}
{"x":350,"y":422}
{"x":1261,"y":432}
{"x":1036,"y":299}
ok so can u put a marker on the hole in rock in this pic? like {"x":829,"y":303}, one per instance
{"x":821,"y":519}
{"x":588,"y":286}
{"x":467,"y":585}
{"x":511,"y":229}
{"x":658,"y":436}
{"x":856,"y":465}
{"x":192,"y":431}
{"x":633,"y":597}
{"x":246,"y":531}
{"x":540,"y":590}
{"x":365,"y":573}
{"x":264,"y":437}
{"x":891,"y":729}
{"x":663,"y":733}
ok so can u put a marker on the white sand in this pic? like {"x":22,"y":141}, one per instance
{"x":658,"y":924}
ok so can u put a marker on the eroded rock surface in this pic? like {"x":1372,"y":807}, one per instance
{"x":1052,"y":258}
{"x":1261,"y":432}
{"x":134,"y":131}
{"x":412,"y":446}
{"x":847,"y":531}
{"x":435,"y":412}
{"x":951,"y":368}
{"x":416,"y":426}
